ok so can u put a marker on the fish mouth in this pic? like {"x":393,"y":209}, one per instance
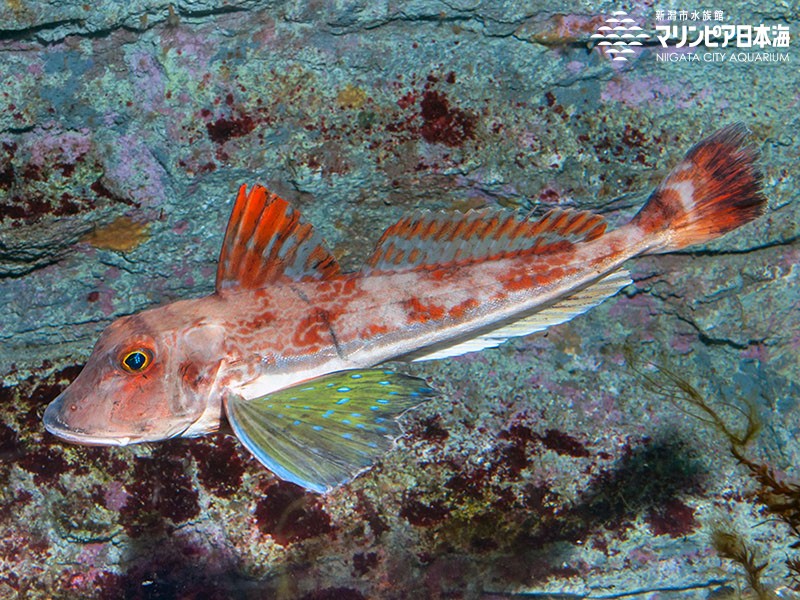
{"x":54,"y":424}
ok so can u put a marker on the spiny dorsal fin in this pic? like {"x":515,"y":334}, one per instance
{"x":560,"y":312}
{"x":427,"y":239}
{"x":265,"y":240}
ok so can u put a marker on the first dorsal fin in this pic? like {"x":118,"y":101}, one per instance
{"x":434,"y":239}
{"x":265,"y":240}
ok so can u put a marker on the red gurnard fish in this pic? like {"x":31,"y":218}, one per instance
{"x":283,"y":347}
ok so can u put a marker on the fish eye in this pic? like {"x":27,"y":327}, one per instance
{"x":137,"y":360}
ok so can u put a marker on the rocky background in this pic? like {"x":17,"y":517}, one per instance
{"x":561,"y":463}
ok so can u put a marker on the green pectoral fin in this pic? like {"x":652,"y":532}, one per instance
{"x":324,"y":431}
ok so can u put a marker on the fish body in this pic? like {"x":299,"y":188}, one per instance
{"x":285,"y":331}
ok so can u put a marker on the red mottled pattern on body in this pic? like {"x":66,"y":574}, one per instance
{"x":256,"y":321}
{"x":374,"y":330}
{"x":313,"y":332}
{"x":522,"y":278}
{"x":459,"y":310}
{"x":353,"y":310}
{"x":419,"y":312}
{"x":338,"y":289}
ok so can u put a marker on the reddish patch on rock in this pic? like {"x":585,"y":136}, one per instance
{"x":549,"y":196}
{"x":423,"y":515}
{"x":430,"y":429}
{"x":161,"y":489}
{"x":513,"y":459}
{"x":514,"y":456}
{"x":11,"y":509}
{"x":99,"y":188}
{"x":30,"y":205}
{"x":68,"y":374}
{"x":371,"y":515}
{"x":219,"y":466}
{"x":23,"y":545}
{"x":32,"y":396}
{"x":47,"y":463}
{"x":224,"y":129}
{"x":407,"y":100}
{"x":635,"y":139}
{"x":467,"y":484}
{"x":289,"y":515}
{"x":10,"y":446}
{"x":338,"y":593}
{"x":674,"y":519}
{"x":52,"y":161}
{"x":6,"y":166}
{"x":562,"y":443}
{"x":208,"y":167}
{"x":518,"y":433}
{"x":98,"y":457}
{"x":444,"y":124}
{"x":540,"y":499}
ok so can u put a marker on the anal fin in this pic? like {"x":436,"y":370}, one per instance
{"x":560,"y":312}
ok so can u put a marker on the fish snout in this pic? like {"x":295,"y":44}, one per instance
{"x":53,"y":419}
{"x":57,"y":421}
{"x":52,"y":416}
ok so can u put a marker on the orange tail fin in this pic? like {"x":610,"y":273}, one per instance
{"x":713,"y":190}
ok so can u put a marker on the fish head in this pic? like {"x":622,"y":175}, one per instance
{"x":143,"y":382}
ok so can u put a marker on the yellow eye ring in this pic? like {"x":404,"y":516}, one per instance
{"x":136,"y":360}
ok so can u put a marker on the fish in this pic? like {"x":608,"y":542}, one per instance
{"x":287,"y":352}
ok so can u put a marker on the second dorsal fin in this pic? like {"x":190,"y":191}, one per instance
{"x":265,"y":240}
{"x":434,"y":239}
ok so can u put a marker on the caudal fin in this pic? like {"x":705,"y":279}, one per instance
{"x":713,"y":190}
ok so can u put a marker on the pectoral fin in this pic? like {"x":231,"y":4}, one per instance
{"x":323,"y":432}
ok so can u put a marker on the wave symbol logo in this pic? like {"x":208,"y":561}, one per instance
{"x":617,"y":35}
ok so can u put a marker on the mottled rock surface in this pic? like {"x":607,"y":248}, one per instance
{"x":547,"y":465}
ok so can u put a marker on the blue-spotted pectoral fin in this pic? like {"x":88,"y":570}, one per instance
{"x":323,"y":432}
